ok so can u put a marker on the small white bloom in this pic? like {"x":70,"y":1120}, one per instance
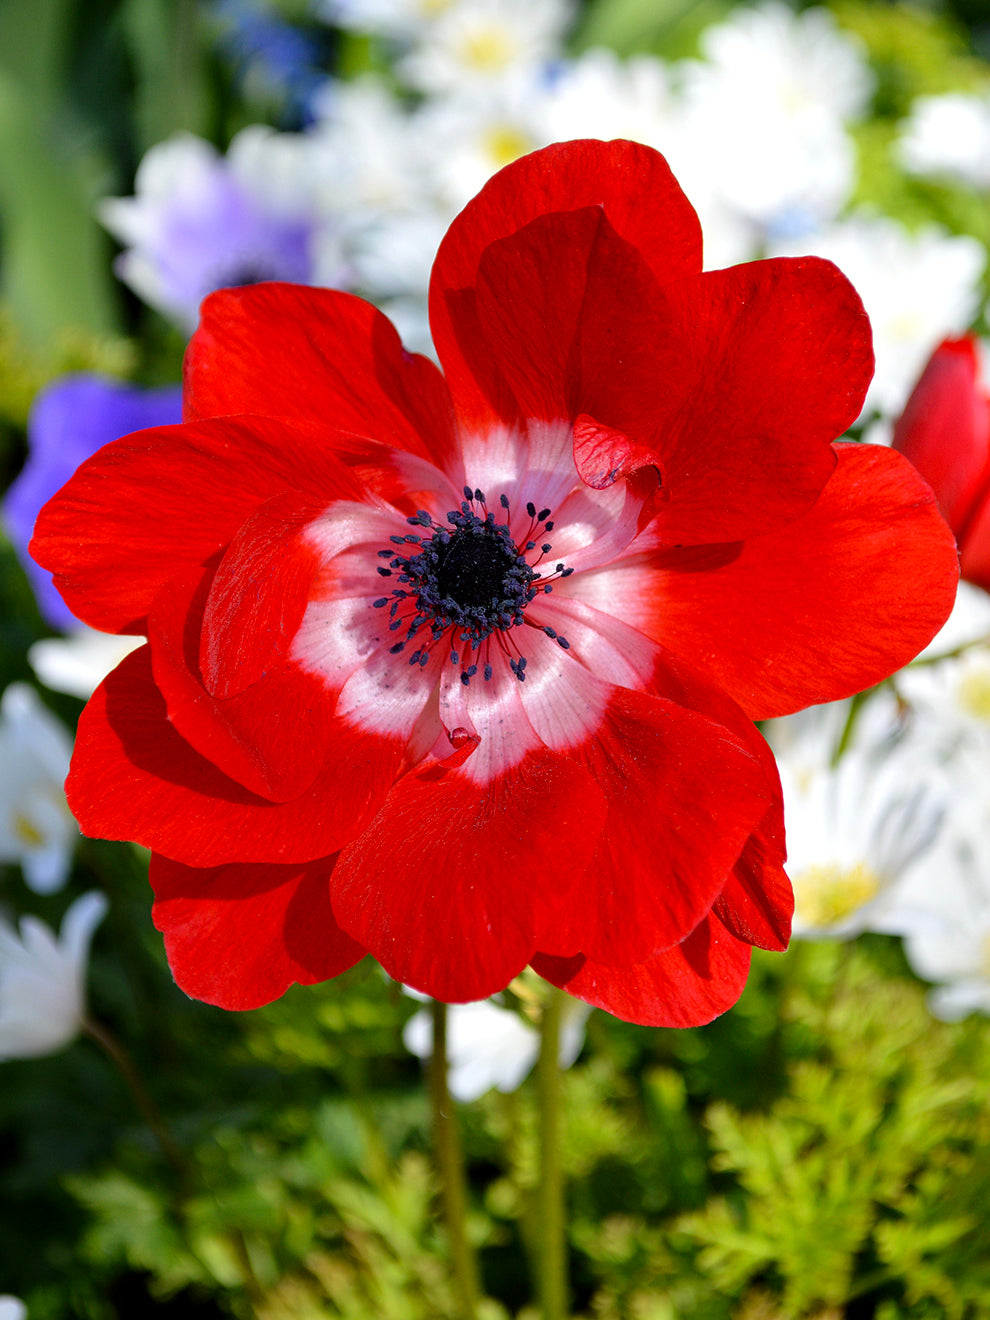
{"x":803,"y":62}
{"x":968,"y":624}
{"x":12,"y":1308}
{"x":36,"y":826}
{"x":370,"y":178}
{"x":949,"y":137}
{"x":946,"y":928}
{"x":950,"y":699}
{"x":489,"y":1047}
{"x":42,"y":979}
{"x":79,"y":663}
{"x":854,"y":827}
{"x":465,"y":139}
{"x":485,"y":42}
{"x":362,"y":156}
{"x":916,"y":288}
{"x":767,"y":109}
{"x":598,"y":95}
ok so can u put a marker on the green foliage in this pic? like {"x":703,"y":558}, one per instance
{"x":665,"y":27}
{"x":914,"y":51}
{"x":861,"y":1177}
{"x":855,"y":1171}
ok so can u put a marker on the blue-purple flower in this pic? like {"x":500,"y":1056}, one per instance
{"x":71,"y":419}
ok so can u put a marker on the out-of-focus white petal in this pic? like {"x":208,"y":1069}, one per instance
{"x":949,"y":137}
{"x":79,"y":663}
{"x":968,"y":623}
{"x":492,"y":1048}
{"x":484,"y":42}
{"x":36,"y":826}
{"x":42,"y":979}
{"x":910,"y":317}
{"x":855,"y":826}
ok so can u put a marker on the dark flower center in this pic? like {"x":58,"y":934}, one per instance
{"x":470,"y":576}
{"x":476,"y":569}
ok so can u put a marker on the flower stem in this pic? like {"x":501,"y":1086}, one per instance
{"x":552,"y":1244}
{"x":450,"y":1161}
{"x":125,"y":1065}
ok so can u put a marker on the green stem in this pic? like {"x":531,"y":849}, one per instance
{"x":552,"y":1245}
{"x":450,"y":1161}
{"x":121,"y":1058}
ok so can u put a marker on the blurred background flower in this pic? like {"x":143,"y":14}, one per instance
{"x":43,"y":979}
{"x":36,"y":827}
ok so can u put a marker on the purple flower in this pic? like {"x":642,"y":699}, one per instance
{"x":200,"y":221}
{"x":71,"y":419}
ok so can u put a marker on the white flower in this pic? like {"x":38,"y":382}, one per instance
{"x":36,"y":826}
{"x":916,"y":288}
{"x":370,"y":175}
{"x":79,"y":663}
{"x":950,"y":699}
{"x":597,"y":95}
{"x":485,"y":42}
{"x":854,"y":827}
{"x":491,"y":1047}
{"x":600,"y":96}
{"x":802,"y":63}
{"x":362,"y":156}
{"x":200,"y":221}
{"x":949,"y":136}
{"x":12,"y":1308}
{"x":467,"y":139}
{"x":947,"y":926}
{"x":767,"y":111}
{"x":969,"y":623}
{"x":42,"y":979}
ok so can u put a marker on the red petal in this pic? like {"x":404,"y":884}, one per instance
{"x":447,"y":885}
{"x":824,"y":607}
{"x":684,"y":794}
{"x":134,"y":777}
{"x":757,"y":369}
{"x":757,"y":903}
{"x":975,"y":548}
{"x":239,"y":936}
{"x":315,"y":358}
{"x":259,"y":594}
{"x":548,"y":307}
{"x":945,"y":429}
{"x":158,"y":501}
{"x":685,"y":986}
{"x":273,"y":738}
{"x":641,"y":199}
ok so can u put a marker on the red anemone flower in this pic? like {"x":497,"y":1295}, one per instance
{"x":945,"y":431}
{"x":460,"y":669}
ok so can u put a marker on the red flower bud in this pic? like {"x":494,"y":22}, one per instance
{"x":945,"y":432}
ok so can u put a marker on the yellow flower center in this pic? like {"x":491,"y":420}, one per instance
{"x":504,"y":144}
{"x":825,"y":895}
{"x":27,"y":832}
{"x":487,"y":49}
{"x":974,"y":694}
